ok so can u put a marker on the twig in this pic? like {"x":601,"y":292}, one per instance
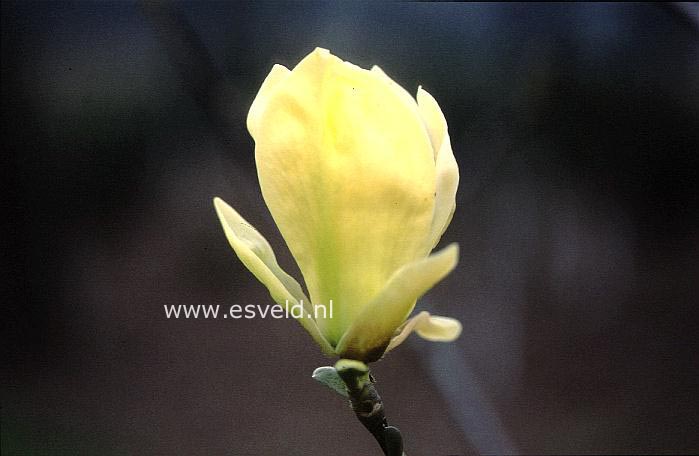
{"x":368,"y":406}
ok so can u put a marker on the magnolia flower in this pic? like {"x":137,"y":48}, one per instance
{"x":360,"y":179}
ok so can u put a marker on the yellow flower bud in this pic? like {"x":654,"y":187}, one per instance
{"x":360,"y":179}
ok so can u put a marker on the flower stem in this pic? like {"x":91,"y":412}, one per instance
{"x":368,"y":406}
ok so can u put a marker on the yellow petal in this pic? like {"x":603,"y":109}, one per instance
{"x":433,"y":117}
{"x":409,"y":103}
{"x":439,"y":329}
{"x":257,"y":255}
{"x":429,"y":327}
{"x":348,"y":174}
{"x":275,"y":77}
{"x":370,"y":334}
{"x":447,"y":169}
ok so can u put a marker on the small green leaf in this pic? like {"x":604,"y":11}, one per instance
{"x":328,"y":376}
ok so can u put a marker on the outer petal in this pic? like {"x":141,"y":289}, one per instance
{"x":348,"y":174}
{"x":276,"y":76}
{"x":447,"y":169}
{"x":429,"y":327}
{"x":433,"y":117}
{"x":257,"y":255}
{"x":371,"y":332}
{"x":407,"y":99}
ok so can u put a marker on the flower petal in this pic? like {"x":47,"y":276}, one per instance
{"x":276,"y":76}
{"x":348,"y":174}
{"x":406,"y":98}
{"x":433,"y":117}
{"x":447,"y":168}
{"x":257,"y":255}
{"x":429,"y":327}
{"x":372,"y":330}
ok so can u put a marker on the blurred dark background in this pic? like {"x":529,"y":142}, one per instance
{"x":576,"y":129}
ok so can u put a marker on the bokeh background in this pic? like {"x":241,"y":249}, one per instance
{"x":576,"y":128}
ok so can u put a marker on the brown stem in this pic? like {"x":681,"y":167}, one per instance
{"x":368,"y":407}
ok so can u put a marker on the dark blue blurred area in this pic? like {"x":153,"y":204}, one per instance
{"x":576,"y":129}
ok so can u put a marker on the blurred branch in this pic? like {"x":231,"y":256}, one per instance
{"x":688,"y":11}
{"x":200,"y":77}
